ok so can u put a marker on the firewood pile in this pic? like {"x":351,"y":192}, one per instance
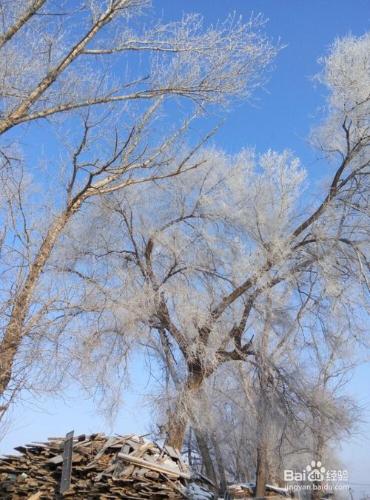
{"x":100,"y":468}
{"x":246,"y":490}
{"x":243,"y":490}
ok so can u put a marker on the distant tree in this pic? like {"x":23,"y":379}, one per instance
{"x":83,"y":112}
{"x":329,"y":414}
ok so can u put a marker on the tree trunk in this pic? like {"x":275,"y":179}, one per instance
{"x":14,"y":331}
{"x":261,"y":471}
{"x":262,"y":440}
{"x":206,"y":456}
{"x":317,"y":492}
{"x":179,"y":416}
{"x":263,"y":412}
{"x":176,"y":426}
{"x":220,"y":465}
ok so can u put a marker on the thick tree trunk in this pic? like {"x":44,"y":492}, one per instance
{"x":261,"y":471}
{"x":176,"y":428}
{"x":14,"y":331}
{"x":178,"y":420}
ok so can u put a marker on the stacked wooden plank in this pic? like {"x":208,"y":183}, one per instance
{"x":243,"y":490}
{"x":246,"y":490}
{"x":102,"y":468}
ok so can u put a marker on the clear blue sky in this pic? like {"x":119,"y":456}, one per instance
{"x":281,"y":118}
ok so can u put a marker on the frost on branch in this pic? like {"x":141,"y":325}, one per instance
{"x":167,"y":269}
{"x":346,"y":74}
{"x":102,"y":74}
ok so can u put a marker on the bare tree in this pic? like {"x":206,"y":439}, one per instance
{"x":96,"y":88}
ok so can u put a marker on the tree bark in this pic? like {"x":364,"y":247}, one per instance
{"x":261,"y":471}
{"x":179,"y":417}
{"x":176,"y":431}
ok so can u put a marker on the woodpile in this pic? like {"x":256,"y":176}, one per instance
{"x":100,"y":468}
{"x":246,"y":490}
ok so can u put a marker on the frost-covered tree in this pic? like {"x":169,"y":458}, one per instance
{"x":84,"y":111}
{"x":297,"y":409}
{"x":259,"y":446}
{"x":193,"y":278}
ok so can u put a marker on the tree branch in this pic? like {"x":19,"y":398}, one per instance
{"x":26,"y":16}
